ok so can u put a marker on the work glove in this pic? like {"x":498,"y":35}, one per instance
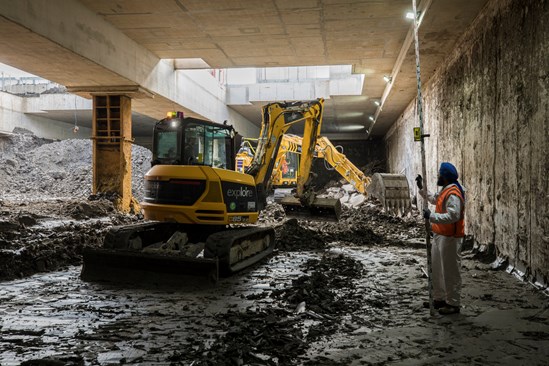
{"x":426,"y":213}
{"x":419,"y":181}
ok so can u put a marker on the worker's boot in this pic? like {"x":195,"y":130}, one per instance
{"x":437,"y":304}
{"x":448,"y":310}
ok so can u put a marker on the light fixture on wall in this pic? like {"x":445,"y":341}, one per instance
{"x":387,"y":78}
{"x":410,"y":15}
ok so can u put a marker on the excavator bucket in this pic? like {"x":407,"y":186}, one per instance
{"x":322,"y":209}
{"x":392,"y":191}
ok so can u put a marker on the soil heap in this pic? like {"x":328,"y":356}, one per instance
{"x":33,"y":168}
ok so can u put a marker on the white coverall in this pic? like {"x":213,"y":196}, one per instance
{"x":446,"y":252}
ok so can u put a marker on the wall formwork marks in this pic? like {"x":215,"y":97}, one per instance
{"x":487,"y":110}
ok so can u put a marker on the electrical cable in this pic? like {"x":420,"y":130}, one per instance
{"x":75,"y":128}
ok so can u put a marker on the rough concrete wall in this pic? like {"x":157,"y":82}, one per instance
{"x":487,"y":110}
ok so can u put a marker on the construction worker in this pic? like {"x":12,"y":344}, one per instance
{"x":448,"y":231}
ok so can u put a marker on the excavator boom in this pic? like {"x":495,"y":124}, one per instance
{"x":277,"y":119}
{"x":390,"y":189}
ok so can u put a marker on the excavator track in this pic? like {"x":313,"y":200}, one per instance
{"x":239,"y":248}
{"x":139,"y":254}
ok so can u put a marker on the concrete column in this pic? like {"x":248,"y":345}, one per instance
{"x":111,"y":159}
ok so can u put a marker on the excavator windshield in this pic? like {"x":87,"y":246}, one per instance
{"x":206,"y":145}
{"x":189,"y":141}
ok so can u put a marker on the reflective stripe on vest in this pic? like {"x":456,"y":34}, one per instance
{"x":457,"y":229}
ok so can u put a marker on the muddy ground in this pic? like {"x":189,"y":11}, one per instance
{"x":347,"y":293}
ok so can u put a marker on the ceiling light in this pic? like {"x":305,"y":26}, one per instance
{"x":409,"y":15}
{"x":387,"y":78}
{"x":377,"y":103}
{"x":371,"y":118}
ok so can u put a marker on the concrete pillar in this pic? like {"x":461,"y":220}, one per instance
{"x":111,"y":159}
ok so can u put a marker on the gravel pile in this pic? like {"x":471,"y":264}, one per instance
{"x":35,"y":168}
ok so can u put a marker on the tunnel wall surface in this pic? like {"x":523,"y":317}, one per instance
{"x":487,"y":110}
{"x":13,"y":114}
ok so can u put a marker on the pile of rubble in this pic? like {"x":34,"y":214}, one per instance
{"x":346,"y":193}
{"x":38,"y":236}
{"x":34,"y":168}
{"x":362,"y":226}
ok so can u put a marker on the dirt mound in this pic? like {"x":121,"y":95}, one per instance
{"x":321,"y":291}
{"x":46,"y":236}
{"x":293,"y":235}
{"x":34,"y":168}
{"x":367,"y":225}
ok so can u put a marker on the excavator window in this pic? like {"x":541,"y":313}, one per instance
{"x":167,"y":148}
{"x":207,"y":145}
{"x":190,"y":141}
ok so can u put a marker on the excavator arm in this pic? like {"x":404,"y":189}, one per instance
{"x":390,"y":189}
{"x":277,"y":118}
{"x":338,"y":161}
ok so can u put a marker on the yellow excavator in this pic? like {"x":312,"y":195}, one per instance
{"x":196,"y":203}
{"x":390,"y":189}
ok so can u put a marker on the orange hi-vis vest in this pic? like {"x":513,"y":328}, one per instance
{"x":457,"y":229}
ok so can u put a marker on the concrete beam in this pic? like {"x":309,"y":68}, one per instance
{"x":65,"y":42}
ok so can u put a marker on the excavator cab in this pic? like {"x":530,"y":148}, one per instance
{"x":190,"y":141}
{"x":245,"y":154}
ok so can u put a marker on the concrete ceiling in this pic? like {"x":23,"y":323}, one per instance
{"x":368,"y":34}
